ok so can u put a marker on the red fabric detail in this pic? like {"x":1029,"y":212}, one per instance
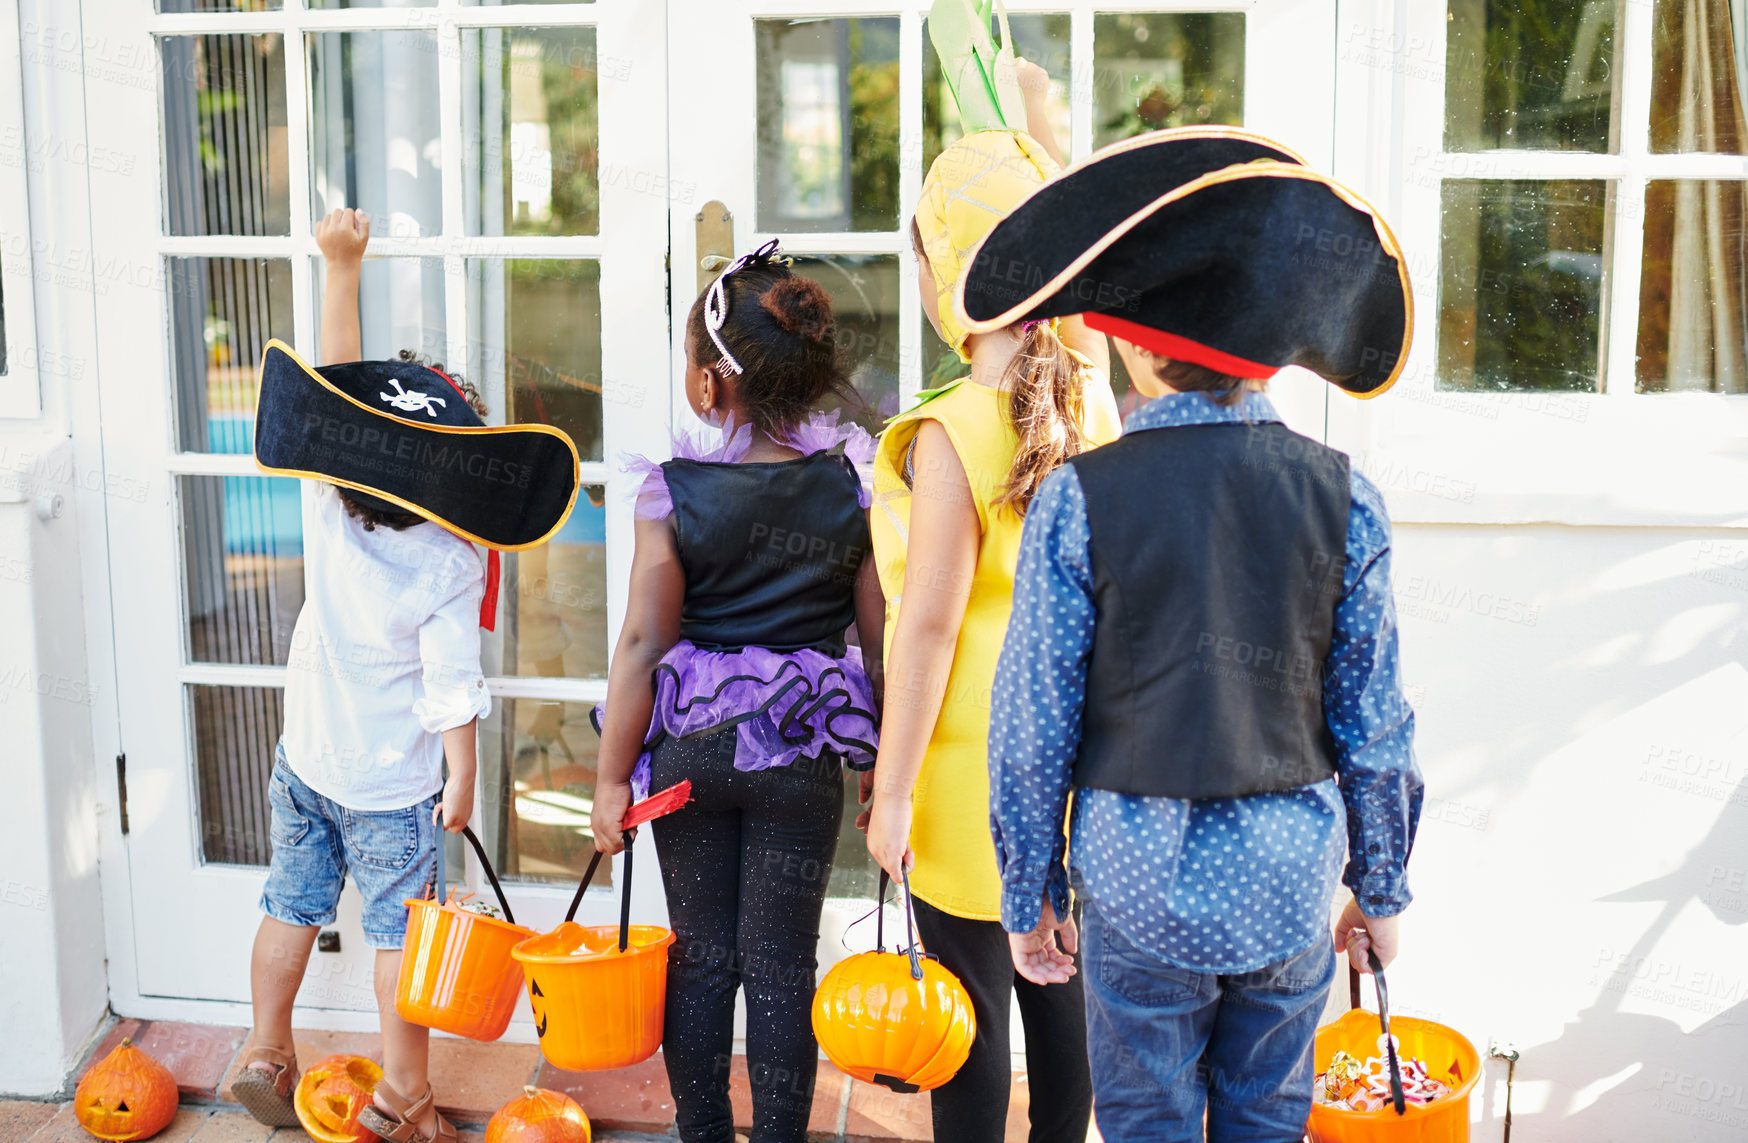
{"x":488,"y":607}
{"x":1178,"y":348}
{"x":451,"y":381}
{"x":656,"y":805}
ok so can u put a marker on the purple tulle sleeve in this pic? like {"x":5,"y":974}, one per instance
{"x":823,"y":431}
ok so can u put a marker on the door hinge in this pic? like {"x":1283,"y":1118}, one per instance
{"x":668,"y":284}
{"x":121,"y":789}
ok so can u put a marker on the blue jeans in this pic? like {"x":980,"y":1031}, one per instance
{"x":391,"y":855}
{"x":1168,"y":1044}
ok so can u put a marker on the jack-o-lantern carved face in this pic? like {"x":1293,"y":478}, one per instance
{"x":538,"y":1116}
{"x":535,"y":995}
{"x":331,"y":1095}
{"x":127,"y":1095}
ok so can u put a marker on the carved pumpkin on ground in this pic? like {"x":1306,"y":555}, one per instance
{"x":538,"y":1116}
{"x":127,"y":1095}
{"x":332,"y":1093}
{"x":876,"y":1020}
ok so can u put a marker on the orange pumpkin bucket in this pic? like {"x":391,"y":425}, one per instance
{"x":457,"y":971}
{"x":599,"y":992}
{"x":1449,"y":1058}
{"x":894,"y":1019}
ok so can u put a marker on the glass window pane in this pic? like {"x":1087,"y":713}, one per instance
{"x":235,"y":732}
{"x":1692,"y":313}
{"x":557,"y":627}
{"x":223,"y":311}
{"x":369,"y":3}
{"x":531,"y":138}
{"x":225,"y":164}
{"x":220,"y":5}
{"x":375,"y":142}
{"x":1039,"y":37}
{"x":828,"y":124}
{"x":1523,"y":278}
{"x":242,"y":539}
{"x":1530,"y":75}
{"x":864,"y":293}
{"x":535,"y":346}
{"x":1153,"y":70}
{"x":1696,"y":79}
{"x":537,"y":771}
{"x":400,"y":307}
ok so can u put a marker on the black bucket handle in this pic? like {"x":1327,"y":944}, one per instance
{"x":484,"y":863}
{"x":625,"y":891}
{"x":1353,"y":994}
{"x":916,"y":965}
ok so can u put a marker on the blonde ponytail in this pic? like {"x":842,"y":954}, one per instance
{"x":1045,"y":405}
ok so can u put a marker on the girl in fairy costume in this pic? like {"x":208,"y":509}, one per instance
{"x":732,"y":671}
{"x":953,"y":477}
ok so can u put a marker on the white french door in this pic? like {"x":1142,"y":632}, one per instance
{"x":506,"y":155}
{"x":543,"y":178}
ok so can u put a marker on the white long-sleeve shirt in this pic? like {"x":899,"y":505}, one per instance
{"x":384,"y":658}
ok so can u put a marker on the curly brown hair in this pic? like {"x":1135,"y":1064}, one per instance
{"x":374,"y":518}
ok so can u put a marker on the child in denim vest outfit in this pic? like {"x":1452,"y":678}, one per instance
{"x":1203,"y":642}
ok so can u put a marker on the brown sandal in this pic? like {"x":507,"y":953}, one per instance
{"x":267,"y":1095}
{"x":400,"y":1129}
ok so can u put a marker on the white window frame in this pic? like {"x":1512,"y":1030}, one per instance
{"x":1615,"y":457}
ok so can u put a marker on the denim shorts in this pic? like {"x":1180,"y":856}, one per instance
{"x":391,"y":855}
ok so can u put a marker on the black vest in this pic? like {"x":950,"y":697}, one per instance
{"x":770,"y":551}
{"x":1217,"y":559}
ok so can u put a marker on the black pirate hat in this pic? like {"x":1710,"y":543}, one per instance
{"x":1210,"y":245}
{"x":402,"y":437}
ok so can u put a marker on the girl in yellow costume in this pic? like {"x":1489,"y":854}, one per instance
{"x":952,"y":479}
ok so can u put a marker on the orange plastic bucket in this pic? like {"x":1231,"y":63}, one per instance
{"x":600,"y":992}
{"x":1448,"y":1055}
{"x":457,"y":971}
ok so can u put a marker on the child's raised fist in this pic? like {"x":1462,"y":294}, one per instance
{"x":343,"y":234}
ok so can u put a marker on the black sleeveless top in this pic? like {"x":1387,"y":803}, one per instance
{"x":770,"y":551}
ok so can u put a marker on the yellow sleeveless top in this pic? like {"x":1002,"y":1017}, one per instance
{"x":955,"y":855}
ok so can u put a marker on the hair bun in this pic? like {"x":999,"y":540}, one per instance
{"x":800,"y":306}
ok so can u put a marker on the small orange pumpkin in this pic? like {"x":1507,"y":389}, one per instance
{"x":539,"y":1116}
{"x":330,"y":1096}
{"x":876,"y":1021}
{"x":127,"y":1095}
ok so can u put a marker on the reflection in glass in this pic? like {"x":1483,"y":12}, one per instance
{"x":1153,"y":70}
{"x":828,"y":124}
{"x":1041,"y":38}
{"x":225,"y":165}
{"x":1523,"y":277}
{"x":552,"y":606}
{"x":400,"y":306}
{"x":1530,"y":75}
{"x":220,"y":5}
{"x":243,"y":557}
{"x":223,"y":311}
{"x":864,"y":293}
{"x":535,"y":349}
{"x":1692,"y":311}
{"x":1697,"y":78}
{"x":530,"y":136}
{"x":537,"y":772}
{"x":375,"y":142}
{"x":369,"y":3}
{"x":235,"y":731}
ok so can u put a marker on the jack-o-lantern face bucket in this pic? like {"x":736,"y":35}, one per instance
{"x":899,"y":1020}
{"x":331,"y":1095}
{"x":538,"y":1116}
{"x":127,"y":1095}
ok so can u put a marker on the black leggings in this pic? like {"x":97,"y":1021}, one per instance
{"x":972,"y":1107}
{"x":745,"y":866}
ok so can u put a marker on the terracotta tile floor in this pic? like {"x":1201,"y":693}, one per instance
{"x":473,"y":1080}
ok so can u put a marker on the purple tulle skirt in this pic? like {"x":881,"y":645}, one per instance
{"x":781,"y":705}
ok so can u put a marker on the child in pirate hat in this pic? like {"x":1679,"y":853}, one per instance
{"x":383,"y":682}
{"x":1203,"y":644}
